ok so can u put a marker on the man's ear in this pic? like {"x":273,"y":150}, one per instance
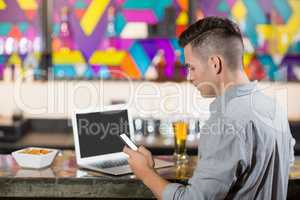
{"x":216,"y":63}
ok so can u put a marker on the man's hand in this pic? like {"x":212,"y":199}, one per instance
{"x":147,"y":154}
{"x":142,"y":165}
{"x":140,"y":161}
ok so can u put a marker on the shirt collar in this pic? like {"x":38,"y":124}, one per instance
{"x":234,"y":91}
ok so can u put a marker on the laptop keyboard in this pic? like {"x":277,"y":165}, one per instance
{"x":111,"y":163}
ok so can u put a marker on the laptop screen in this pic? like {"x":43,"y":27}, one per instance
{"x":98,"y":132}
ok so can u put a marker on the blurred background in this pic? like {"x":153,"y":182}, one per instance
{"x":58,"y":55}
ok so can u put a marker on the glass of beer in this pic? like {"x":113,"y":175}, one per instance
{"x":180,"y":129}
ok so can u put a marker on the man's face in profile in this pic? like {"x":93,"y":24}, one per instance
{"x":200,"y":73}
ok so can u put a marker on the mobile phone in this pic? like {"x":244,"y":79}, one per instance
{"x":128,"y":142}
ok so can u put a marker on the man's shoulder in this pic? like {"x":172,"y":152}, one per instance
{"x":250,"y":107}
{"x":222,"y":124}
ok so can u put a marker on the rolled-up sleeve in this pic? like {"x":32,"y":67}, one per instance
{"x":222,"y":161}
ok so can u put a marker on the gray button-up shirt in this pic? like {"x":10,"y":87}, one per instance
{"x":245,"y":150}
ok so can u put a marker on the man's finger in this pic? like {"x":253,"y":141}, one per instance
{"x":144,"y":151}
{"x":147,"y":154}
{"x":128,"y":151}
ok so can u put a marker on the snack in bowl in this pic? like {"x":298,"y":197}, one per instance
{"x":35,"y":158}
{"x":35,"y":151}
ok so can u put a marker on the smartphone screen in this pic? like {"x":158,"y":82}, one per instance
{"x":128,"y":142}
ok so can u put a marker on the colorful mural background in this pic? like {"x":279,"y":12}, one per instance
{"x":99,"y":48}
{"x":20,"y":41}
{"x":272,"y":34}
{"x":96,"y":43}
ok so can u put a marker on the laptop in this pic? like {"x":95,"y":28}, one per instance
{"x":98,"y":145}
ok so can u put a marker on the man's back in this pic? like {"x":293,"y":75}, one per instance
{"x":244,"y":150}
{"x":267,"y":142}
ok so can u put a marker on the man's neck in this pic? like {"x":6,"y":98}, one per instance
{"x":236,"y":79}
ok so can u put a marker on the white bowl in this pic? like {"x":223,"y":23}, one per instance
{"x":35,"y":161}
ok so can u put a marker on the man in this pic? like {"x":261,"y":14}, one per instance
{"x":246,"y":145}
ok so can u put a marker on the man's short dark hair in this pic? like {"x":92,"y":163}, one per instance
{"x":213,"y":35}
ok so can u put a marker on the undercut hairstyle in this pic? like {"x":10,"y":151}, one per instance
{"x":215,"y":35}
